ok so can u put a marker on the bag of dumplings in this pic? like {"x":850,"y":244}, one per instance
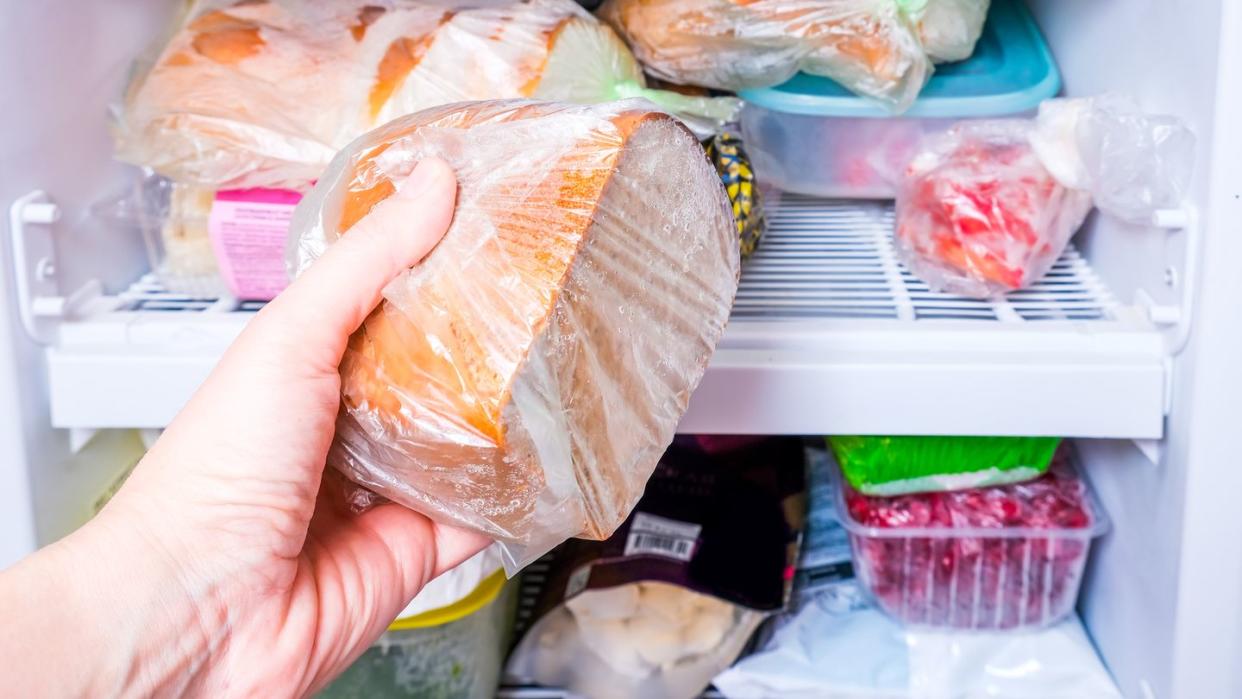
{"x":882,"y":49}
{"x":525,"y":377}
{"x":672,"y":598}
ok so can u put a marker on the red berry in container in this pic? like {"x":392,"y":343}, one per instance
{"x":1004,"y":557}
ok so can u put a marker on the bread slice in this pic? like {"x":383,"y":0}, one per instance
{"x":524,"y":379}
{"x":262,"y":93}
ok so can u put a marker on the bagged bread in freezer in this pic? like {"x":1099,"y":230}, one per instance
{"x":262,"y":93}
{"x":524,"y":378}
{"x":870,"y":46}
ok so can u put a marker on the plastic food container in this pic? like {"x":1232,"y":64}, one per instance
{"x":455,"y":652}
{"x":1001,"y":558}
{"x":205,"y":243}
{"x":812,"y":136}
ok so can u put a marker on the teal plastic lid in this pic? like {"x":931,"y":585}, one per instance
{"x":1011,"y":71}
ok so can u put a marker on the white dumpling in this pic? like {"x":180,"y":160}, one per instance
{"x":614,"y":603}
{"x":616,"y":644}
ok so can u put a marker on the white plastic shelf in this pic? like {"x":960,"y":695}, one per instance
{"x":830,"y":334}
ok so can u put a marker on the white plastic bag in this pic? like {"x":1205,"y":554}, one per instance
{"x":839,"y":647}
{"x":1132,"y":163}
{"x":948,"y":29}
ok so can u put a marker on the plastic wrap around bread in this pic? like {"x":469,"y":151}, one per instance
{"x":262,"y":93}
{"x":870,"y":46}
{"x":524,"y":379}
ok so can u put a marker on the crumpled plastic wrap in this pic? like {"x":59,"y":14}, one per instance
{"x":524,"y":379}
{"x":988,"y":206}
{"x":263,"y":94}
{"x":948,"y":29}
{"x":873,"y":47}
{"x":1133,"y":163}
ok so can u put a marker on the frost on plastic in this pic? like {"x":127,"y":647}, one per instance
{"x":524,"y":379}
{"x":988,"y":207}
{"x":873,"y":47}
{"x":263,"y":94}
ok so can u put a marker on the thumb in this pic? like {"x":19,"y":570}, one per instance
{"x":328,"y":302}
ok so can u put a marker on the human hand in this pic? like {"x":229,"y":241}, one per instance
{"x":232,"y":571}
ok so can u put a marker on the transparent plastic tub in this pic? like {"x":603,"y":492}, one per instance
{"x":205,"y":243}
{"x":174,"y":223}
{"x":812,"y":136}
{"x":456,"y":652}
{"x":1001,"y":558}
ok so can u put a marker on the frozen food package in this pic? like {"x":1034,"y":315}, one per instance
{"x":987,"y":207}
{"x":978,"y":213}
{"x":832,"y":643}
{"x":262,"y":94}
{"x":525,"y":377}
{"x":672,"y":598}
{"x":871,"y":47}
{"x":901,"y":465}
{"x":948,"y":29}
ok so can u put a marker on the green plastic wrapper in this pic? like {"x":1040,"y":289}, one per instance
{"x":888,"y":466}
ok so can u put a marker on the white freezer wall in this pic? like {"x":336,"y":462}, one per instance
{"x":1163,"y":600}
{"x":62,"y":65}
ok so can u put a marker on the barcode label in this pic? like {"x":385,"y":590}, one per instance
{"x":660,"y":536}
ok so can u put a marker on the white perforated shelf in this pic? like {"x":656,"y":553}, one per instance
{"x":829,"y":335}
{"x":835,"y":260}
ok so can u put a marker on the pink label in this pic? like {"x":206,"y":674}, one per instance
{"x":249,"y":229}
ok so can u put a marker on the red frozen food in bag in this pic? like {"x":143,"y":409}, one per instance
{"x":978,"y":213}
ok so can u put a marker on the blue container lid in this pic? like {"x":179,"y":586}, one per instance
{"x":1011,"y":71}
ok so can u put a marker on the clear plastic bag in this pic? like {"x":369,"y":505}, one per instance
{"x":1133,"y":163}
{"x":263,"y":94}
{"x":525,"y":378}
{"x":987,"y":207}
{"x":979,"y":215}
{"x":870,"y":46}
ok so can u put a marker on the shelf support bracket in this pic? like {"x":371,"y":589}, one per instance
{"x":40,"y":303}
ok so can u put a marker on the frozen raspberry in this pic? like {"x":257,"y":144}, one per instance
{"x":980,"y":581}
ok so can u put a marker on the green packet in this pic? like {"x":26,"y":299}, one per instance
{"x":887,"y":466}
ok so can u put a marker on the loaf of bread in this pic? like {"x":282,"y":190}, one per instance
{"x":262,"y":93}
{"x":524,"y":379}
{"x":870,"y":46}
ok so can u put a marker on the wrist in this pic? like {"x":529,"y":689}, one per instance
{"x":105,"y":615}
